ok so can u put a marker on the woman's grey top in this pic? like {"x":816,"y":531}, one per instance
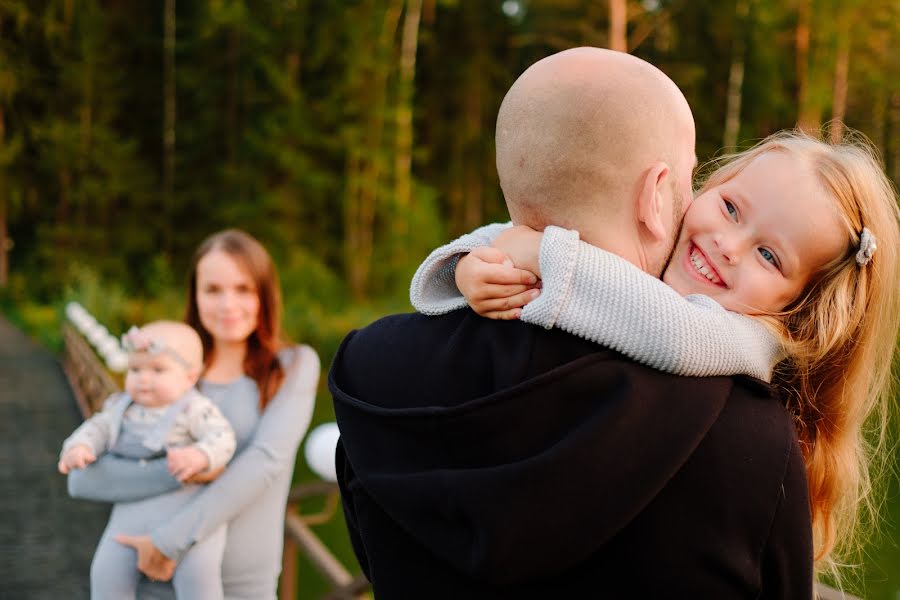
{"x":604,"y":298}
{"x":249,"y":496}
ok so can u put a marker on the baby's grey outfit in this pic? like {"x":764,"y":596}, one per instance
{"x":127,"y":429}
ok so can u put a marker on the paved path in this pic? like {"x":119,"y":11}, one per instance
{"x":46,"y":538}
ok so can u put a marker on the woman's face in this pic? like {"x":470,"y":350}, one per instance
{"x":754,"y":242}
{"x":227,"y":298}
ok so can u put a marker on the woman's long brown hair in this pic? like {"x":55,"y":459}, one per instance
{"x":261,"y":362}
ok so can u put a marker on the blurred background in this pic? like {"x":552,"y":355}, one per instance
{"x":351,"y":137}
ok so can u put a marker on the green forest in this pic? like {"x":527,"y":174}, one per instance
{"x":352,"y":137}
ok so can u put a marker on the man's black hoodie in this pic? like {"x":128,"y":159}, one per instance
{"x":489,"y":459}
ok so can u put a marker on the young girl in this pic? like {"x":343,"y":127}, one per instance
{"x":160,"y":414}
{"x":265,"y":389}
{"x":800,"y":234}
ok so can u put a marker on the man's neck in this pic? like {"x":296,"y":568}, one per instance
{"x":622,"y":242}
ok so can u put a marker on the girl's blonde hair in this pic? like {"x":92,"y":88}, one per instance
{"x":840,"y":336}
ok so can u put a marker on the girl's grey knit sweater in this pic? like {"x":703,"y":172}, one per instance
{"x":604,"y":298}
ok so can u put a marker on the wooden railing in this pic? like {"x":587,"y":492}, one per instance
{"x":299,"y":537}
{"x":92,"y":383}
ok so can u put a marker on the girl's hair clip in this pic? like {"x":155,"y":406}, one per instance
{"x":867,"y":247}
{"x":135,"y":340}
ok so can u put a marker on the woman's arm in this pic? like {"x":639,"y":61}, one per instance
{"x":433,"y":289}
{"x":272,"y":450}
{"x":116,"y":479}
{"x":601,"y":297}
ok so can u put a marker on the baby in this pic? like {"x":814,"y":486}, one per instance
{"x":160,"y":413}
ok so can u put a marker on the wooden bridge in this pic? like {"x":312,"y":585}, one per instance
{"x":46,"y":538}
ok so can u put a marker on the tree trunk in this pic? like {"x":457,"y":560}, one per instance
{"x":736,"y":76}
{"x":841,"y":76}
{"x":472,"y":165}
{"x":351,"y":217}
{"x":87,"y":109}
{"x":5,"y":243}
{"x":892,"y":125}
{"x":618,"y":20}
{"x":807,"y":118}
{"x":403,"y":156}
{"x":233,"y":100}
{"x":168,"y":133}
{"x":366,"y":193}
{"x":4,"y":246}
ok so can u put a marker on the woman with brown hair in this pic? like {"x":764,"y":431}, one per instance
{"x":266,"y":389}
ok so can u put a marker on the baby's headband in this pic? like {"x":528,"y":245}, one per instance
{"x":867,"y":247}
{"x":135,"y":340}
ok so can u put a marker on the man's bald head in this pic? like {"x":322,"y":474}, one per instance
{"x":577,"y":132}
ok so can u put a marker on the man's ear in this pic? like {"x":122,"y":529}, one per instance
{"x":654,"y":195}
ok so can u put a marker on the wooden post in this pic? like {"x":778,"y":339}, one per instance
{"x":287,"y":586}
{"x":169,"y":107}
{"x":736,"y":77}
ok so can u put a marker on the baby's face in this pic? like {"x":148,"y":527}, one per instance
{"x":155,"y":379}
{"x":754,"y":242}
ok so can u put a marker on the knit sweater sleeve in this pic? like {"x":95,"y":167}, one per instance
{"x":601,"y":297}
{"x":433,"y":290}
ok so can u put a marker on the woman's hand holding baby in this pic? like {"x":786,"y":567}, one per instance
{"x":498,"y":281}
{"x":151,"y":562}
{"x":77,"y":457}
{"x":186,"y":462}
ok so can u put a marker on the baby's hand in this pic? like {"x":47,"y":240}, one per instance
{"x":186,"y":462}
{"x":76,"y":457}
{"x":492,"y":286}
{"x":206,"y":476}
{"x":522,"y":245}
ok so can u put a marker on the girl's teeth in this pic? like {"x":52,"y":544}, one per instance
{"x":702,"y":268}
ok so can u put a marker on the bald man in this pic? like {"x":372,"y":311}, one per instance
{"x":601,"y":142}
{"x":484,"y":459}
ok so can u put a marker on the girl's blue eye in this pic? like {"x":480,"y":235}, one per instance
{"x":731,"y":209}
{"x":768,"y":256}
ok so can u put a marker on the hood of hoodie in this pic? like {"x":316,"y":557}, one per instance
{"x":562,"y":460}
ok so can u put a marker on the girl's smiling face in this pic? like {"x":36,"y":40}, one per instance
{"x":754,"y":242}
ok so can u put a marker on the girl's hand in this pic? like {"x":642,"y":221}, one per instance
{"x":77,"y":457}
{"x":522,"y":245}
{"x":492,"y":286}
{"x":186,"y":462}
{"x":151,"y":562}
